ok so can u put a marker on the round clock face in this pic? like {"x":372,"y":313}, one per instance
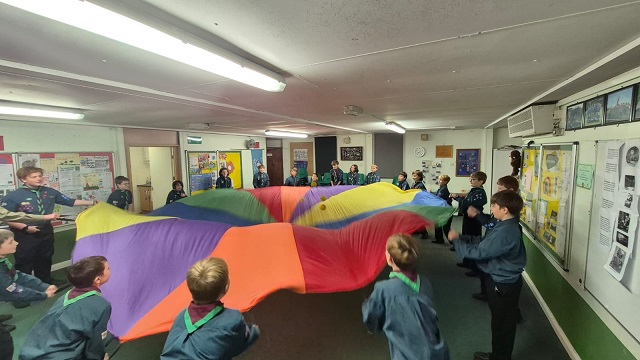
{"x":419,"y":151}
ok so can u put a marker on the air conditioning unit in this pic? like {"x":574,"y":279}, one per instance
{"x":534,"y":120}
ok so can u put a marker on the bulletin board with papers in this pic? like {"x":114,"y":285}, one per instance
{"x":547,"y":187}
{"x":613,"y":272}
{"x":204,"y":168}
{"x":80,"y":176}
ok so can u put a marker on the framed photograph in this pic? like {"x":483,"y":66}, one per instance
{"x":575,"y":116}
{"x":353,"y":153}
{"x":594,"y":112}
{"x":467,"y":161}
{"x":619,"y":106}
{"x":636,"y":112}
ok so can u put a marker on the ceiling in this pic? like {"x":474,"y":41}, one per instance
{"x":422,"y":64}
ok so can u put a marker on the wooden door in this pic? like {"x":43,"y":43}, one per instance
{"x":274,"y":166}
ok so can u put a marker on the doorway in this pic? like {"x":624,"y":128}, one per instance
{"x":274,"y":166}
{"x":152,"y":171}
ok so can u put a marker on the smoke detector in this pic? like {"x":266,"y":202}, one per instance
{"x":198,"y":126}
{"x":352,"y":110}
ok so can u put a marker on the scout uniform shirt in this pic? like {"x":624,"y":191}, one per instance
{"x":403,"y":185}
{"x":337,"y":176}
{"x":371,"y":178}
{"x":18,"y":287}
{"x":174,"y":195}
{"x":40,"y":201}
{"x":353,"y":178}
{"x":260,"y":180}
{"x":208,"y":332}
{"x":120,"y":199}
{"x":74,"y":328}
{"x":224,"y":183}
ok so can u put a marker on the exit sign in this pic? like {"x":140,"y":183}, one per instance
{"x":194,"y":140}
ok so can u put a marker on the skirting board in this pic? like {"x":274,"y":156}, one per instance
{"x":61,"y":265}
{"x":552,"y":319}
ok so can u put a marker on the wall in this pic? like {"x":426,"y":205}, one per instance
{"x":501,"y":138}
{"x":160,"y":167}
{"x":460,"y":139}
{"x":364,"y":140}
{"x":585,"y":321}
{"x":140,"y":171}
{"x":286,"y":155}
{"x":213,"y":142}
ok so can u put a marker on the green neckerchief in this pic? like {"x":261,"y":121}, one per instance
{"x":415,"y":286}
{"x":9,"y":266}
{"x":193,"y":327}
{"x":78,"y":298}
{"x":38,"y":197}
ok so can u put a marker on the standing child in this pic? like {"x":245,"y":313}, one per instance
{"x":477,"y":198}
{"x":177,"y":193}
{"x":501,"y":255}
{"x":261,"y":179}
{"x":224,"y":181}
{"x":353,"y":177}
{"x":337,"y":175}
{"x":16,"y":287}
{"x":402,"y":181}
{"x":292,"y":180}
{"x":206,"y":329}
{"x":122,"y":197}
{"x":314,"y":180}
{"x":36,"y":252}
{"x":402,"y":306}
{"x":373,"y":176}
{"x":443,"y":193}
{"x":76,"y":325}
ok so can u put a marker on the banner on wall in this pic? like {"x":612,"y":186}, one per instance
{"x":256,"y":160}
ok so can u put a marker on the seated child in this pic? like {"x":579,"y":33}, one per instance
{"x":76,"y":325}
{"x":314,"y":180}
{"x":353,"y":177}
{"x":402,"y":181}
{"x":292,"y":180}
{"x":224,"y":181}
{"x":417,"y":177}
{"x":206,"y":329}
{"x":16,"y":286}
{"x":177,"y":193}
{"x":261,"y":179}
{"x":402,"y":306}
{"x":337,"y":175}
{"x":373,"y":176}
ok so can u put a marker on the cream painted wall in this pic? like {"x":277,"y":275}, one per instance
{"x":213,"y":142}
{"x":501,"y":138}
{"x":140,"y":171}
{"x":460,"y":139}
{"x":582,"y":200}
{"x":286,"y":155}
{"x":161,"y":170}
{"x":364,"y":140}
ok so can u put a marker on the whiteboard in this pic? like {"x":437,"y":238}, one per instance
{"x":620,"y":298}
{"x":501,"y":167}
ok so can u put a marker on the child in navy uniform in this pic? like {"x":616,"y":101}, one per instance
{"x":477,"y":198}
{"x":337,"y":175}
{"x":76,"y":325}
{"x":261,"y":179}
{"x":501,"y":255}
{"x":403,"y":308}
{"x":177,"y":193}
{"x":417,"y":177}
{"x":206,"y":329}
{"x":353,"y":177}
{"x":224,"y":181}
{"x":402,"y":181}
{"x":292,"y":180}
{"x":443,"y":193}
{"x":16,"y":287}
{"x":122,"y":197}
{"x":373,"y":176}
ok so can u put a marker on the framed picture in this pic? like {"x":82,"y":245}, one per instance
{"x":619,"y":106}
{"x":444,"y":151}
{"x":594,"y":112}
{"x":467,"y":161}
{"x":353,"y":153}
{"x":636,"y":112}
{"x":575,"y":116}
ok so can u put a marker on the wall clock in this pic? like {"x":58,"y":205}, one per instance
{"x":419,"y":151}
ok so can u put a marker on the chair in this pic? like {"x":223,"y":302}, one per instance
{"x":395,"y":181}
{"x":303,"y":177}
{"x":361,"y":179}
{"x":325,"y":180}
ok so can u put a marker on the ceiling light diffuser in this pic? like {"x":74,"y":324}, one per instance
{"x":285,"y":134}
{"x":395,"y":127}
{"x":26,"y":110}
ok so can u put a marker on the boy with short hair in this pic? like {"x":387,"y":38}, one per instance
{"x":402,"y":181}
{"x":292,"y":180}
{"x":501,"y":255}
{"x":373,"y":176}
{"x":206,"y":329}
{"x":443,"y":193}
{"x":122,"y":197}
{"x":477,"y":198}
{"x":16,"y":286}
{"x":337,"y":175}
{"x":261,"y":179}
{"x":76,"y":325}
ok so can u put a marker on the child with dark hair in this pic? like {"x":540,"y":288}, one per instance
{"x":177,"y":193}
{"x":206,"y":329}
{"x":261,"y":179}
{"x":353,"y":177}
{"x":293,"y":179}
{"x":224,"y":181}
{"x":337,"y":175}
{"x":76,"y":325}
{"x":502,"y":257}
{"x":417,"y":177}
{"x":16,"y":286}
{"x":477,"y":198}
{"x":122,"y":197}
{"x":402,"y":181}
{"x":403,"y":308}
{"x":314,"y":180}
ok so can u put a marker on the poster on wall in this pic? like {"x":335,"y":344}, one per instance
{"x":529,"y":185}
{"x":256,"y":160}
{"x":467,"y":161}
{"x":8,"y":181}
{"x":203,"y":171}
{"x":232,"y":161}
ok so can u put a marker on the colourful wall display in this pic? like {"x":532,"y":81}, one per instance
{"x":204,"y":168}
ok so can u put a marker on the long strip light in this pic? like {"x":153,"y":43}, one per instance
{"x":395,"y":127}
{"x":98,"y":20}
{"x":285,"y":134}
{"x":25,"y":110}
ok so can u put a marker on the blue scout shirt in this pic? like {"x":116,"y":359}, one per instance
{"x":337,"y":176}
{"x":419,"y":185}
{"x":16,"y":286}
{"x":221,"y":335}
{"x":443,"y":193}
{"x":260,"y":180}
{"x":291,"y":181}
{"x":476,"y":197}
{"x":404,"y":310}
{"x":372,"y":178}
{"x":224,"y":183}
{"x":353,"y":178}
{"x":174,"y":195}
{"x":120,"y":199}
{"x":74,"y":328}
{"x":403,"y":185}
{"x":40,"y":201}
{"x":501,"y":254}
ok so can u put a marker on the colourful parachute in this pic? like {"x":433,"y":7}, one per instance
{"x":308,"y":240}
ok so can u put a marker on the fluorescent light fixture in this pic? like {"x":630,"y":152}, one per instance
{"x":395,"y":127}
{"x":98,"y":20}
{"x":440,"y":128}
{"x":36,"y":111}
{"x":285,"y":134}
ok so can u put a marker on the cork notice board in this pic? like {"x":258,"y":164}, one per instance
{"x":444,"y":151}
{"x":301,"y":152}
